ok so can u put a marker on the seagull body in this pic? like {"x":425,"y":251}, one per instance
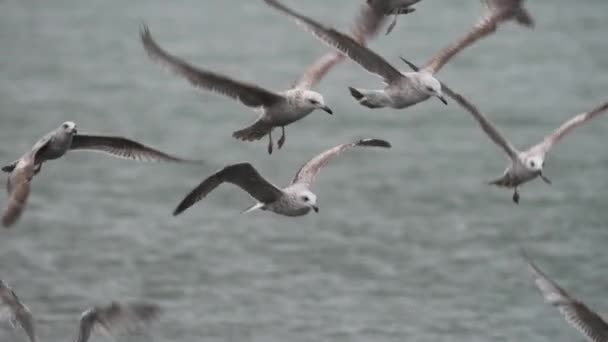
{"x":404,"y":89}
{"x":524,"y":166}
{"x":56,"y":144}
{"x":17,"y":311}
{"x":294,"y":200}
{"x":394,"y":8}
{"x":580,"y":316}
{"x":276,"y":109}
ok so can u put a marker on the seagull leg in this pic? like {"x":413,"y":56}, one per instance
{"x":515,"y":196}
{"x":391,"y":26}
{"x":270,"y":142}
{"x":281,"y":141}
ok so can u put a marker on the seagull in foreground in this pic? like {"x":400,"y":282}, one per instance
{"x":524,"y":165}
{"x":581,"y":317}
{"x":57,"y":143}
{"x":277,"y":109}
{"x":294,"y":200}
{"x":394,"y":8}
{"x":116,"y":319}
{"x":16,"y":312}
{"x":406,"y":89}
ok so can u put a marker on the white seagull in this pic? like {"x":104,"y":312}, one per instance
{"x":276,"y":109}
{"x":524,"y":165}
{"x":404,"y":89}
{"x":294,"y":200}
{"x":394,"y":8}
{"x":585,"y":320}
{"x":12,"y":308}
{"x":56,"y":144}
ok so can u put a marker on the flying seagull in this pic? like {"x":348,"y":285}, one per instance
{"x":57,"y":143}
{"x":294,"y":200}
{"x":406,"y":89}
{"x":581,"y":317}
{"x":12,"y":308}
{"x":276,"y":109}
{"x":524,"y":165}
{"x":394,"y":8}
{"x":116,"y":319}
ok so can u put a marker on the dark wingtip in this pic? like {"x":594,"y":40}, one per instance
{"x":410,"y":64}
{"x":8,"y":168}
{"x":355,"y":93}
{"x":374,"y":143}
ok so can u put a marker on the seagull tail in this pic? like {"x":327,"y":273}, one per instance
{"x":253,"y":208}
{"x":257,"y":131}
{"x":358,"y":95}
{"x":523,"y":17}
{"x":9,"y":168}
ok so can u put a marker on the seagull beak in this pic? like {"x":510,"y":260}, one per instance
{"x":442,"y":99}
{"x":327,"y":109}
{"x":545,"y":179}
{"x":315,"y":208}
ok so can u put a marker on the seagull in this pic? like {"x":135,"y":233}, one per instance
{"x":586,"y":321}
{"x":406,"y":89}
{"x":524,"y":165}
{"x":294,"y":200}
{"x":116,"y":318}
{"x":17,"y":311}
{"x":57,"y":143}
{"x":276,"y":109}
{"x":394,"y":8}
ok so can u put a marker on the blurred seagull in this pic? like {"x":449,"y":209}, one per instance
{"x":116,"y":319}
{"x":276,"y":109}
{"x":294,"y":200}
{"x":586,"y":321}
{"x":16,"y":312}
{"x":57,"y":143}
{"x":394,"y":8}
{"x":524,"y":165}
{"x":406,"y":89}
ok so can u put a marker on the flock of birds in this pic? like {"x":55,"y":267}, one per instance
{"x":278,"y":110}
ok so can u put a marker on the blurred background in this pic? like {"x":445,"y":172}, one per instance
{"x":409,"y":243}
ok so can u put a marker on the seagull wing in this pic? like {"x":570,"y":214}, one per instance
{"x":498,"y":12}
{"x":585,"y":320}
{"x":121,"y":147}
{"x":18,"y":310}
{"x":116,"y":319}
{"x":487,"y":126}
{"x":243,"y":175}
{"x":368,"y":59}
{"x":18,"y":186}
{"x":250,"y":95}
{"x":367,"y":24}
{"x":310,"y":170}
{"x":568,"y":126}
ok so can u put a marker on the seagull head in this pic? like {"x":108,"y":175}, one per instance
{"x":69,"y":127}
{"x":314,"y":100}
{"x":308,"y":199}
{"x":536,"y":164}
{"x":431,"y":86}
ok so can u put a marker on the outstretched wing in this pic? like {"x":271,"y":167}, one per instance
{"x":18,"y":310}
{"x":18,"y":187}
{"x":308,"y":172}
{"x":368,"y":59}
{"x":116,"y":319}
{"x":585,"y":320}
{"x":498,"y":12}
{"x":568,"y":126}
{"x":489,"y":128}
{"x":122,"y":148}
{"x":249,"y":94}
{"x":318,"y":70}
{"x":243,"y":175}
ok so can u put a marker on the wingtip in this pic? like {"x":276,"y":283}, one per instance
{"x":374,"y":143}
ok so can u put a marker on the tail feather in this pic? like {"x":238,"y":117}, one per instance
{"x":257,"y":131}
{"x":9,"y":168}
{"x":524,"y":18}
{"x":253,"y":208}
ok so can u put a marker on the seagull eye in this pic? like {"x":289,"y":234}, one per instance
{"x":305,"y":198}
{"x":430,"y":89}
{"x":314,"y":102}
{"x":532,"y":163}
{"x":65,"y":126}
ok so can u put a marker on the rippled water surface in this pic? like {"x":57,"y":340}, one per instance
{"x":409,"y":243}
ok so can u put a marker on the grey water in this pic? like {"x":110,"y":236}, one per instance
{"x":410,"y":243}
